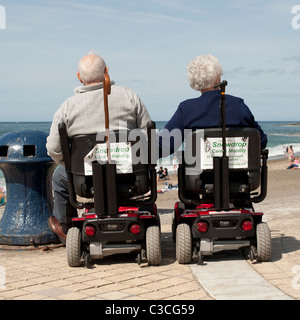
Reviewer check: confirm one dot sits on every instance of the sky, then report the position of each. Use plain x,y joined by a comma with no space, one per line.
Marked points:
147,45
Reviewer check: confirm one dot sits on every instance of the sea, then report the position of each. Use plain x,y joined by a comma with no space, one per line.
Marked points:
280,135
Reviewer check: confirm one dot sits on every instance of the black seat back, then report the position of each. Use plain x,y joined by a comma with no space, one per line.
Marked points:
128,185
198,174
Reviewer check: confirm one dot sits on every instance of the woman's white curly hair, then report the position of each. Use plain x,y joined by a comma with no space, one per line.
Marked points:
203,72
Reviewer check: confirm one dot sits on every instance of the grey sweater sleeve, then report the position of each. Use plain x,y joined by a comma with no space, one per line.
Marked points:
53,144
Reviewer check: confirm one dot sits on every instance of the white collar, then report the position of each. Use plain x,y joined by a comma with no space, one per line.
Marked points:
83,89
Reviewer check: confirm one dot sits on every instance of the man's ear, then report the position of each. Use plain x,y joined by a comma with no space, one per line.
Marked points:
79,78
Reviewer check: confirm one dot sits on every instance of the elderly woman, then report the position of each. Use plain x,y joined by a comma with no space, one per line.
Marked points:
204,73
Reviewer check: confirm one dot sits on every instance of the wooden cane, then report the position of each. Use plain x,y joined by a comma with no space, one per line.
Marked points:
106,92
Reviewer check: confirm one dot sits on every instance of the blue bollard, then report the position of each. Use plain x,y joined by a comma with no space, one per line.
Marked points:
28,174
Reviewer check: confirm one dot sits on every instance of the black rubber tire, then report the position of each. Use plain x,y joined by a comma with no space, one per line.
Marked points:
153,245
264,242
181,208
174,228
183,243
73,247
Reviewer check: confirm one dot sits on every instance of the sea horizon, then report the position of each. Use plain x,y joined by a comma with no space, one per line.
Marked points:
280,133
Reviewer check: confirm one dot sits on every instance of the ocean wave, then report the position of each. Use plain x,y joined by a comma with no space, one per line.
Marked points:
278,150
290,134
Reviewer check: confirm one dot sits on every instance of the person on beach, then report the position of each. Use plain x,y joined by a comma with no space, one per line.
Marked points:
175,162
165,174
285,151
293,166
162,174
83,114
204,73
294,163
159,173
291,154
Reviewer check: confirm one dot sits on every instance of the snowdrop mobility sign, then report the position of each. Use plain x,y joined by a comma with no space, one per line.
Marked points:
236,150
120,153
2,18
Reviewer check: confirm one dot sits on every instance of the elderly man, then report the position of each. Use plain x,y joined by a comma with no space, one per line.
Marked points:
204,73
83,113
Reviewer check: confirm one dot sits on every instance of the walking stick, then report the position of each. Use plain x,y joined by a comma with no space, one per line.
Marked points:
104,176
106,92
222,165
222,120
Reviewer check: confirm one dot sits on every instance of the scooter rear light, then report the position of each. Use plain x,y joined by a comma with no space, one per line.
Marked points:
202,226
247,225
90,231
89,216
135,229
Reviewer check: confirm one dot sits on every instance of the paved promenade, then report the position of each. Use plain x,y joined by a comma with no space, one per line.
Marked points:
39,274
43,273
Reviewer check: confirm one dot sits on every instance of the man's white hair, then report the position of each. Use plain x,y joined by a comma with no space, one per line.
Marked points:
203,72
91,68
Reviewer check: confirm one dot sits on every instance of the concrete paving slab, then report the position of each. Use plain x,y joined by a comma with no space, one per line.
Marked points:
232,278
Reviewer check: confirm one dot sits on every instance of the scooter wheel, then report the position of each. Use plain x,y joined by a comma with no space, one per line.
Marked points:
264,242
73,247
183,243
153,245
174,228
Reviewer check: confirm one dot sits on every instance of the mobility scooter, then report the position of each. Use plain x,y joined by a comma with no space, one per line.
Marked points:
215,212
122,215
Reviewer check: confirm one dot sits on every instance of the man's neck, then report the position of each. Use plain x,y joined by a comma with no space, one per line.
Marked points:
92,83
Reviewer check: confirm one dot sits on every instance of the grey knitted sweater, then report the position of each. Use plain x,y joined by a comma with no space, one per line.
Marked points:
83,113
